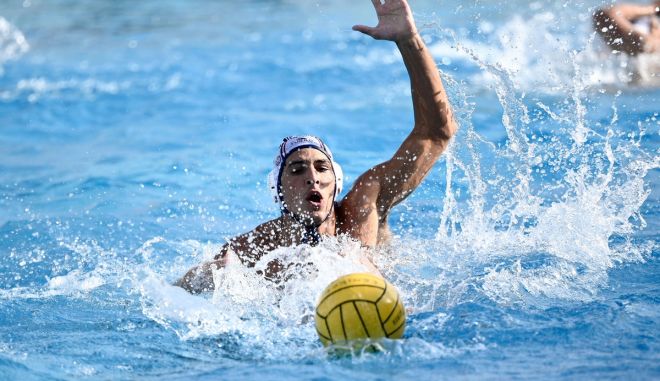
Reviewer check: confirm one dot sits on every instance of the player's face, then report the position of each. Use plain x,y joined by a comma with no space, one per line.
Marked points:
308,185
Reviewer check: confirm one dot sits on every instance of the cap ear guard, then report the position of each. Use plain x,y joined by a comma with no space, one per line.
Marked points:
272,184
339,178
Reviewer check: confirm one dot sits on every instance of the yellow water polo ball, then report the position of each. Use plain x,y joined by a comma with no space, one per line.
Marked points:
359,306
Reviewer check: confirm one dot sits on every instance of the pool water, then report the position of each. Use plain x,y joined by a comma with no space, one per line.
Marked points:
136,137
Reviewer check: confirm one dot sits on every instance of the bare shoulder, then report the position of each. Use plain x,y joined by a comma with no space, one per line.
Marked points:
364,189
358,214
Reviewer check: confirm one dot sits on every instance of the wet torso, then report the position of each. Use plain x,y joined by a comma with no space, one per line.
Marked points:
362,225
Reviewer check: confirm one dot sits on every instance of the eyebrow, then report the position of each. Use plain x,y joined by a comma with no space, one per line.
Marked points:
298,162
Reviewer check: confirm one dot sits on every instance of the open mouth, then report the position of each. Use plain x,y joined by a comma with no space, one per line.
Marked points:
315,198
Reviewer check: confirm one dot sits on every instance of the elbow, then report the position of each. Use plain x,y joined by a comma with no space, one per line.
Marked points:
435,121
444,126
448,130
442,130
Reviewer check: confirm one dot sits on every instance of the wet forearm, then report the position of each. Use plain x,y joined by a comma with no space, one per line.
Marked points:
198,279
631,12
433,114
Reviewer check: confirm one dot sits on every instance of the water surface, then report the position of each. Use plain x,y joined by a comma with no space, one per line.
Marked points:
136,137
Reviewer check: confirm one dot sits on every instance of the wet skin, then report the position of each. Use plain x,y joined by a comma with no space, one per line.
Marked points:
308,181
308,186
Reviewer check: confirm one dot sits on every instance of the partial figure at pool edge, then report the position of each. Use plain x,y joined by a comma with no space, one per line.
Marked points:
630,28
306,180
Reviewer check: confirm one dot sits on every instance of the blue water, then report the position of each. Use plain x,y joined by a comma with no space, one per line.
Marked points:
135,138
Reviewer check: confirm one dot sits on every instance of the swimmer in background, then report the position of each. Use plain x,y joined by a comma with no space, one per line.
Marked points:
306,180
630,28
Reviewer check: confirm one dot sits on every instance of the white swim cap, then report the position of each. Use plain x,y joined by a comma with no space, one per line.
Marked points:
291,144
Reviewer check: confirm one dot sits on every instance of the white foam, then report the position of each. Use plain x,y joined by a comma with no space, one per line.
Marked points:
274,321
37,88
539,55
74,282
12,43
265,314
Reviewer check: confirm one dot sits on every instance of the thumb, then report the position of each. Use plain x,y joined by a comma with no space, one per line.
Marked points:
364,29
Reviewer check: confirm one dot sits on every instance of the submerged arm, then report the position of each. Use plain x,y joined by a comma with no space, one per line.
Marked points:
200,278
247,248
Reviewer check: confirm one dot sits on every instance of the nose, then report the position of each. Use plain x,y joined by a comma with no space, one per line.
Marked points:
313,178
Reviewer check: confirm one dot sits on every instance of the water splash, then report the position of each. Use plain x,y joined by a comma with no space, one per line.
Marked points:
85,268
266,316
539,215
12,43
540,53
534,216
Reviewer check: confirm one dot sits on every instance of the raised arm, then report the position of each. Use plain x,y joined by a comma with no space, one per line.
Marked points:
392,181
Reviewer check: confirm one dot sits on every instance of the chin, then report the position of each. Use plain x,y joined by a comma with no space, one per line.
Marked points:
316,217
312,215
320,215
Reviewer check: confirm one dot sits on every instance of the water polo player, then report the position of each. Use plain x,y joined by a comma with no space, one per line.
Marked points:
630,28
306,180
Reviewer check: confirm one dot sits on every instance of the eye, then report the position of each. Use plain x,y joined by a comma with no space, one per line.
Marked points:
297,169
323,167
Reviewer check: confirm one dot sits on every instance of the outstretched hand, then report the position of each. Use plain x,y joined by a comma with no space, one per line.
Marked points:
395,21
